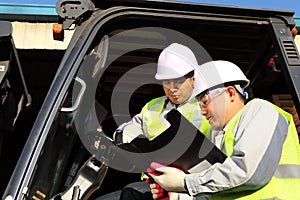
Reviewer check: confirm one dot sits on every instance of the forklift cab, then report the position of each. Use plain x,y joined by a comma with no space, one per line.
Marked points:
107,75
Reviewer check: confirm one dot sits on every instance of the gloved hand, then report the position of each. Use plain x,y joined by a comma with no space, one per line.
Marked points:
158,193
169,178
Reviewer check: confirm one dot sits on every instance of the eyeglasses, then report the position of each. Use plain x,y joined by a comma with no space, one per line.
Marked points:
208,96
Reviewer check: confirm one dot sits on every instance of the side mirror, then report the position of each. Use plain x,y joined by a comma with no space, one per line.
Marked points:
5,49
5,30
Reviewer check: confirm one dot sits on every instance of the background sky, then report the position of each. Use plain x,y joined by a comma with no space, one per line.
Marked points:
293,5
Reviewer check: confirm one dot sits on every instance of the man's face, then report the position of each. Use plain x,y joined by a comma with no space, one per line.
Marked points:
213,107
178,90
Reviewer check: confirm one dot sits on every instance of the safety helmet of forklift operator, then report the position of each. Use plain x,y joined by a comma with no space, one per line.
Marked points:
219,73
175,61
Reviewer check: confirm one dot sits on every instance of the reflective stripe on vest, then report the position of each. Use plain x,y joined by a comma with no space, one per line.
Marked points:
152,119
285,183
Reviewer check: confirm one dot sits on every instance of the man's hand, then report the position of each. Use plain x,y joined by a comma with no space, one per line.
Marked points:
158,193
169,178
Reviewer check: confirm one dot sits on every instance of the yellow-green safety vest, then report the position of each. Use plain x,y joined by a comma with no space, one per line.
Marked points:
151,114
284,184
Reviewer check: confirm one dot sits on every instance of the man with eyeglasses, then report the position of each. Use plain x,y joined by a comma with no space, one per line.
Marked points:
259,138
175,70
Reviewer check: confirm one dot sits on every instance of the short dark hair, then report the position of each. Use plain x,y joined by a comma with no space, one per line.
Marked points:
189,75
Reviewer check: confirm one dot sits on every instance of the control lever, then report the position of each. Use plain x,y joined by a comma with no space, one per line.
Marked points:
89,178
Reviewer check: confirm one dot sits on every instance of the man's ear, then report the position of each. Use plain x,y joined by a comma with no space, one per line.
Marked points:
232,92
193,81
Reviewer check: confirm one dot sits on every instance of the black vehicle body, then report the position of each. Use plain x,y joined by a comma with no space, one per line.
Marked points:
107,75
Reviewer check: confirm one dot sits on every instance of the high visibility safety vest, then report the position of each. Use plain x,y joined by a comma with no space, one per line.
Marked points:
285,182
152,119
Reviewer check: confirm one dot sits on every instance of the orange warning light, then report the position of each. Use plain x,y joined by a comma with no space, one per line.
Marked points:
58,32
294,32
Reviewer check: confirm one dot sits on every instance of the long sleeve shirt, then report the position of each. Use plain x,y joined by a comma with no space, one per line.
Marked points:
259,136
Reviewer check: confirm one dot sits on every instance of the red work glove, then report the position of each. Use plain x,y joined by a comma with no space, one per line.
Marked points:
158,193
169,178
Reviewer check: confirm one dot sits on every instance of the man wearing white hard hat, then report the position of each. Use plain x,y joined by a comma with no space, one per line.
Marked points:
175,69
259,138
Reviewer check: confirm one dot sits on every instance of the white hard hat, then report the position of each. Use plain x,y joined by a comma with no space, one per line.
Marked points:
214,73
175,61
